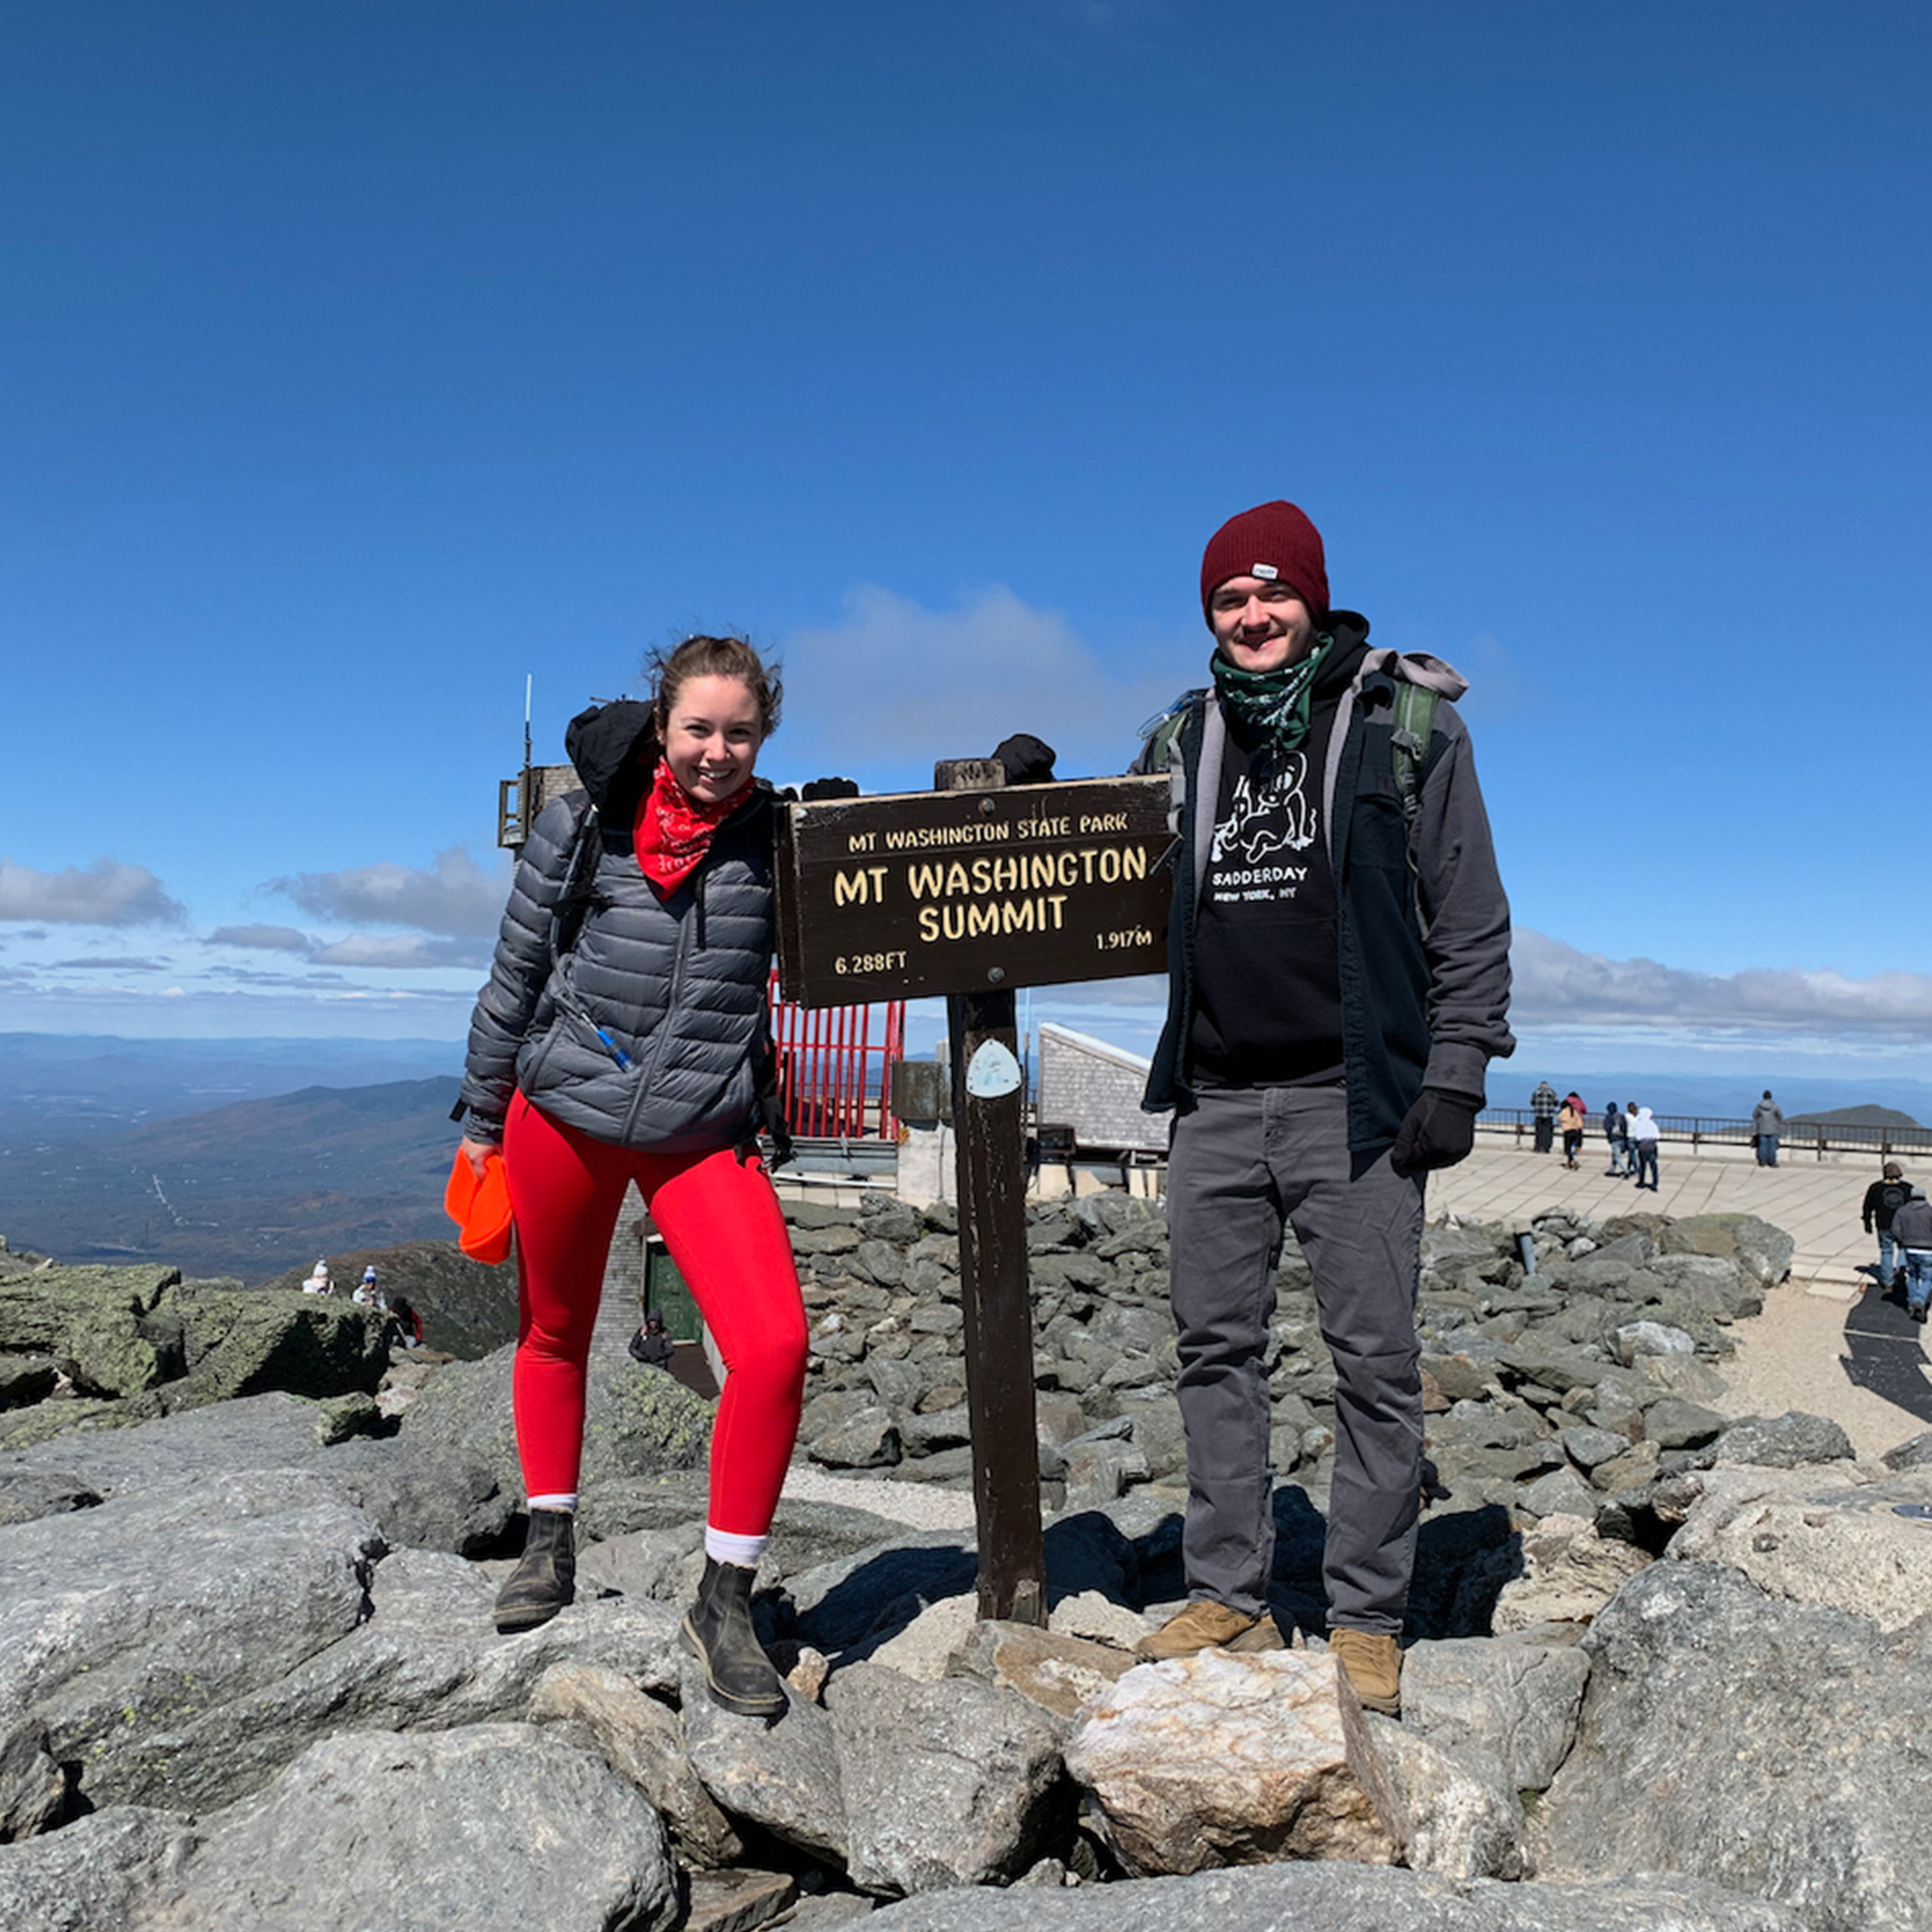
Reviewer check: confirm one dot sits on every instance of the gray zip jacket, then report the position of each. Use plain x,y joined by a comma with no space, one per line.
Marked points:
674,985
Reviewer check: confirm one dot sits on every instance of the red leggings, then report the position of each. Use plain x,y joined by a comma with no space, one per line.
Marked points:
722,1224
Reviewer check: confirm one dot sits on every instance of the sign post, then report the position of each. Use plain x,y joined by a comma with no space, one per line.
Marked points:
972,891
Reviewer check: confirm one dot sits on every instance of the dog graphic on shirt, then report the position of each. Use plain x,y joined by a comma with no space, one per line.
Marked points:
1275,816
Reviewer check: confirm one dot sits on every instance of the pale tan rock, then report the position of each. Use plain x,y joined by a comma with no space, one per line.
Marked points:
808,1673
1062,1674
920,1651
1570,1572
1223,1759
644,1743
1829,1535
1090,1614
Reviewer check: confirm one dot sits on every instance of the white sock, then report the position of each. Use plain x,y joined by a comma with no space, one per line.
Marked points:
723,1547
566,1503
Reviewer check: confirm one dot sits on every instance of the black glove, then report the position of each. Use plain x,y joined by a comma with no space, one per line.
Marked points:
1026,760
830,788
1438,1131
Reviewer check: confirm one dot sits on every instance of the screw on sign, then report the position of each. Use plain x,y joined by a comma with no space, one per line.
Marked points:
972,892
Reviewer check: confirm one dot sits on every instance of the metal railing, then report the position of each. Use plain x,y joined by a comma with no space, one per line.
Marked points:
836,1068
1701,1131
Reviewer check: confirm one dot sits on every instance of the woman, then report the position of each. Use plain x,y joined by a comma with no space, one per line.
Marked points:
1569,1120
622,1036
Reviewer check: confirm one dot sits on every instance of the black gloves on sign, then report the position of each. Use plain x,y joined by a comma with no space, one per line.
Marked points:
1026,760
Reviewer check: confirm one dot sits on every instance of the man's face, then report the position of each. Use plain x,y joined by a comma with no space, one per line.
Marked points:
1260,624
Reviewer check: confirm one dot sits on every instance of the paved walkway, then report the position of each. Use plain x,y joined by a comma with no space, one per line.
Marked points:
1829,1342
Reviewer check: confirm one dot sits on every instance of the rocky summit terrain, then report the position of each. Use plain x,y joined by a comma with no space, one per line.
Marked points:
1668,1670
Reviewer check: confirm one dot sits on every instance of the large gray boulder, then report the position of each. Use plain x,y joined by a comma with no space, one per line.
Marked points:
945,1784
784,1776
109,1872
128,1621
1342,1897
1464,1817
497,1828
428,1658
641,1740
1774,1747
635,1425
32,1785
1517,1699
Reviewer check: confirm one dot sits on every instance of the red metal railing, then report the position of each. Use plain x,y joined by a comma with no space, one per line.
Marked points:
828,1079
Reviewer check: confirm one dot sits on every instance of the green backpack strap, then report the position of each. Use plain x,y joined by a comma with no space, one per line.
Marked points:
1161,753
1408,744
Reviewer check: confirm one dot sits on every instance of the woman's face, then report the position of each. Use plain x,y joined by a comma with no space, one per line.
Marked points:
711,740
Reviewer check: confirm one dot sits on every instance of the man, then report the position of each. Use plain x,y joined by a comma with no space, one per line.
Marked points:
1338,982
1884,1198
1616,1132
1911,1226
652,1345
1542,1111
1767,1123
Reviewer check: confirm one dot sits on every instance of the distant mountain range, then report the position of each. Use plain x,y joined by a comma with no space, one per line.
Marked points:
252,1189
68,1084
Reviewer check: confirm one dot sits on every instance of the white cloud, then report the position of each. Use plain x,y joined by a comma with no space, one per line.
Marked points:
105,892
1558,985
456,896
264,938
402,951
894,675
103,962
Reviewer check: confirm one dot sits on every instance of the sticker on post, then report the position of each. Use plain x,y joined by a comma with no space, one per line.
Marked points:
992,1072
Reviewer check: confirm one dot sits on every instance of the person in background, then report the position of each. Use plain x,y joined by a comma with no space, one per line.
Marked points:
318,1282
1616,1131
652,1345
406,1324
622,1036
1912,1230
1542,1109
1767,1123
1570,1119
1643,1145
1884,1198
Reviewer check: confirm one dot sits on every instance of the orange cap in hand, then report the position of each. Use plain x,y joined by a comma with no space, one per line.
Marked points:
480,1208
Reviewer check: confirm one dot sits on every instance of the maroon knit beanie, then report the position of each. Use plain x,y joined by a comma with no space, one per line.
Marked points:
1274,540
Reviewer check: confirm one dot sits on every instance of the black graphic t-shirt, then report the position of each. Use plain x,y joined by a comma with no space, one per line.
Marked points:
1268,992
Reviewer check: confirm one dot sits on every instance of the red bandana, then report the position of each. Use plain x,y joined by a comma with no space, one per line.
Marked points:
672,831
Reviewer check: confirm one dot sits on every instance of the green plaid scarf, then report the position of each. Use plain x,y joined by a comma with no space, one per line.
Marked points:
1274,704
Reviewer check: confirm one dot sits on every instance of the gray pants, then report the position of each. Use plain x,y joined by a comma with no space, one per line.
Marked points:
1243,1160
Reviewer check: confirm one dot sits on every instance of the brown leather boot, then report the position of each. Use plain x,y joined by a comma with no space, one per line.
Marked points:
1373,1664
1206,1625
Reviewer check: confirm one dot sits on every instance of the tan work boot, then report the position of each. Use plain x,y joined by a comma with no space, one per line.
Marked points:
1372,1663
1204,1625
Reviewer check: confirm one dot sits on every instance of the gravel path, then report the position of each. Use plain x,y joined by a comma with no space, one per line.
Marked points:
920,1505
1791,1357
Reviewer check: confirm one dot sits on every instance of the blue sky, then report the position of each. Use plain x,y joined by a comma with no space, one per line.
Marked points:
360,360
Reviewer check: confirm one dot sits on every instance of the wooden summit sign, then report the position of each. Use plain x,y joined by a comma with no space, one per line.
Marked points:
917,893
